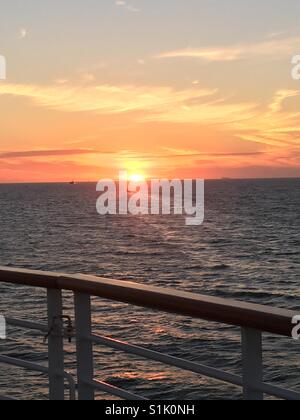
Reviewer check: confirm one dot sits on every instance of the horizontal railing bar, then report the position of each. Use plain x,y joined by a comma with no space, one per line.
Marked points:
23,364
192,367
275,391
26,324
34,278
247,315
39,368
2,398
169,360
113,390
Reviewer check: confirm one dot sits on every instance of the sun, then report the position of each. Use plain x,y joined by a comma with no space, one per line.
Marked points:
136,178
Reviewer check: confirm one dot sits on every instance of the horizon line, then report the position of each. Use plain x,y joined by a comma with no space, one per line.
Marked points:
181,179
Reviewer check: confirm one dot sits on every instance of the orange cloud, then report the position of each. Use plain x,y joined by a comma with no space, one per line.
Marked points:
275,47
265,132
105,99
280,97
43,153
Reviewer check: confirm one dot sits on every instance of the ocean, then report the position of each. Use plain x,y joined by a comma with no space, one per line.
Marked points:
247,249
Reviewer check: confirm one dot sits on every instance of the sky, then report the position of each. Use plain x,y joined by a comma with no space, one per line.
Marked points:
165,89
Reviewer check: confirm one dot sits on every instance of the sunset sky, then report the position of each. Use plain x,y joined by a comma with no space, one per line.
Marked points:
163,88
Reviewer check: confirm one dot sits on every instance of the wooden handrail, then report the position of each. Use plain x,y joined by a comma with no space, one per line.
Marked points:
226,311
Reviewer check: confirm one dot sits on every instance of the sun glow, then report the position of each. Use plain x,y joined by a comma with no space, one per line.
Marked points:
136,177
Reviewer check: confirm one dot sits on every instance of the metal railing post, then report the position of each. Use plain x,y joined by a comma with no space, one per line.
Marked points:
252,355
55,345
84,346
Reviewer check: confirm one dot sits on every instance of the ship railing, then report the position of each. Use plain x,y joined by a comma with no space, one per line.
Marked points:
252,319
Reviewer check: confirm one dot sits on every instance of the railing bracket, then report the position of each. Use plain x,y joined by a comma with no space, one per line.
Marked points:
61,326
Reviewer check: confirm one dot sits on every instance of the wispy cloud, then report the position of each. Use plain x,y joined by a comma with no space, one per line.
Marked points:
172,153
280,97
44,153
126,5
22,33
194,153
272,124
106,99
270,47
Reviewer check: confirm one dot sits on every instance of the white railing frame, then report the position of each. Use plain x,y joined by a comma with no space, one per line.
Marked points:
247,316
34,367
